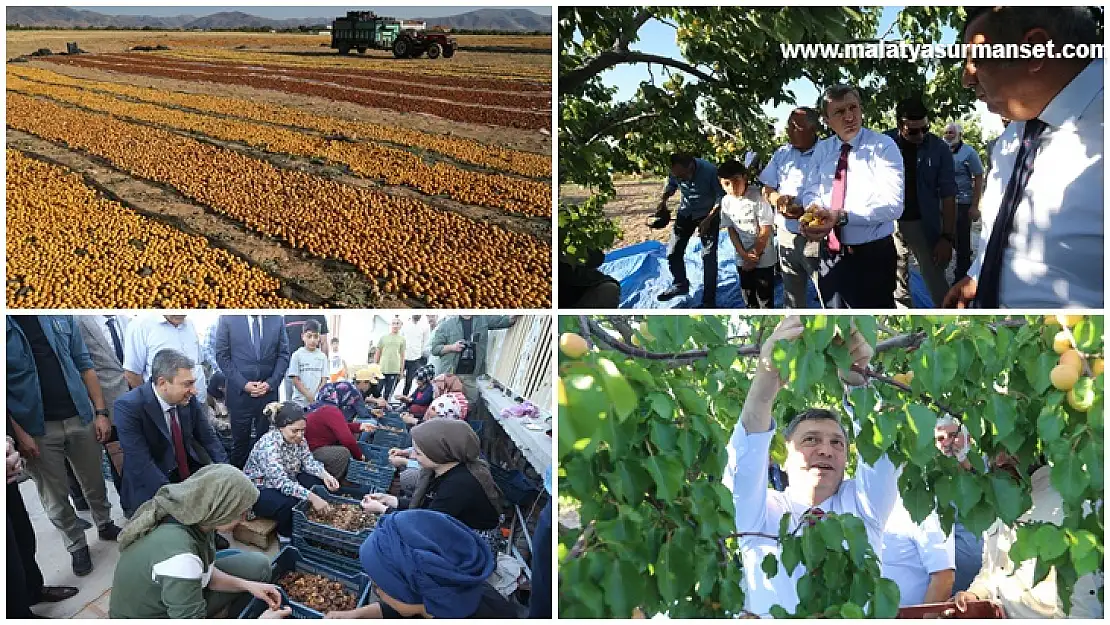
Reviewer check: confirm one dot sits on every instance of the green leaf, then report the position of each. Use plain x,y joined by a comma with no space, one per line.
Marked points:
831,533
619,390
887,597
664,434
1088,334
851,611
856,533
867,328
770,566
1050,423
1050,542
978,518
791,555
668,475
1002,413
1038,372
723,356
662,404
968,490
813,548
688,445
921,422
692,402
1010,498
819,332
919,502
636,373
1070,478
623,586
1086,553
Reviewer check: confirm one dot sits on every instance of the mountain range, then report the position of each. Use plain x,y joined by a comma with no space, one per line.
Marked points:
508,20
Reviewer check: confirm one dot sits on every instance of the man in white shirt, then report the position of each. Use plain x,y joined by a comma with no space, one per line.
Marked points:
856,179
1042,240
781,179
920,558
416,343
817,449
151,334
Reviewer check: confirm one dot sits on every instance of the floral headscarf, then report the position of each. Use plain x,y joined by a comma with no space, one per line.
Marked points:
450,406
344,396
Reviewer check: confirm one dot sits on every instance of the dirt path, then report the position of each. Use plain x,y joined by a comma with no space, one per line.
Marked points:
631,209
535,142
317,282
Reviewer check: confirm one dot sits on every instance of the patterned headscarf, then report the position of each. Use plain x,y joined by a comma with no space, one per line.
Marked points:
450,406
426,373
344,396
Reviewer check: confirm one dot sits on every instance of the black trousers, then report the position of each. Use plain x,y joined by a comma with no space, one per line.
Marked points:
248,424
389,382
685,228
24,576
276,505
410,373
759,287
864,275
963,241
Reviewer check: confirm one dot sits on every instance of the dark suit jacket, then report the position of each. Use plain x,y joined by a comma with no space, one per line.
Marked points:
148,454
237,359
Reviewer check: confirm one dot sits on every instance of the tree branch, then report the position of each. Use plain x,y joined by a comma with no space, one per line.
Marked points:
580,545
584,324
573,80
626,34
635,118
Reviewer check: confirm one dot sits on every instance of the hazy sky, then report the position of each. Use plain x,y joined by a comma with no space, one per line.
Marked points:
284,12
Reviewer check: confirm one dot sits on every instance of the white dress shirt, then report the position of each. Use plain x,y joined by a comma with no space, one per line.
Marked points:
121,322
1055,255
149,335
874,194
1013,589
870,495
166,407
786,173
912,552
416,339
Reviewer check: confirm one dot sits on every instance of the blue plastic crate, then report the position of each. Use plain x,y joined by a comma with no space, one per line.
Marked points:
347,562
393,420
326,534
386,439
516,487
291,559
375,454
377,478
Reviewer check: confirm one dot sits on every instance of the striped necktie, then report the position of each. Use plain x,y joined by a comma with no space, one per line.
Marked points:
990,276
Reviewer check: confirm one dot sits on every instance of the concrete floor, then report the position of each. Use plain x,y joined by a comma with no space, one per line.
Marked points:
96,587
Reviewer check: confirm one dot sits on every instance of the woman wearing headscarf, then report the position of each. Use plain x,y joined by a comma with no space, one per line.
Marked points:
167,566
426,564
453,478
450,406
329,431
422,397
283,469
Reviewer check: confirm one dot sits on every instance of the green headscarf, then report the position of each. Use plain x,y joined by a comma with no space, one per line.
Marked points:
216,495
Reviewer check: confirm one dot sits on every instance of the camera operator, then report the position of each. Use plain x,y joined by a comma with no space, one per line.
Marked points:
460,343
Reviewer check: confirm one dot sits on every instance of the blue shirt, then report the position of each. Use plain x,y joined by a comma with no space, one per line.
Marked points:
24,391
968,165
699,194
873,198
936,180
1055,257
786,173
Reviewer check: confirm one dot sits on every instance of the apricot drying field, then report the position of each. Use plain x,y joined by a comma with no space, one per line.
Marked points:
405,185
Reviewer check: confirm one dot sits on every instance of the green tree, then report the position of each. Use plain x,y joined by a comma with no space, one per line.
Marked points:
710,100
644,419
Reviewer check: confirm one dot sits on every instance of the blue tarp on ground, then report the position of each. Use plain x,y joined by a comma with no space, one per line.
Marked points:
642,271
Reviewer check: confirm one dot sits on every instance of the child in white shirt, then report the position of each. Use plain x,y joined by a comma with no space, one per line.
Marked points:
750,222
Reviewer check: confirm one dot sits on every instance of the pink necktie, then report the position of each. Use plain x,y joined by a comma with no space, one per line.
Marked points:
839,191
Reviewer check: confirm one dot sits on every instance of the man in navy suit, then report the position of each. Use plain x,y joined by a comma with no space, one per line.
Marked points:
163,431
253,352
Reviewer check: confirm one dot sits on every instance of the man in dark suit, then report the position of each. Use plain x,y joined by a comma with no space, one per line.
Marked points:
163,431
253,352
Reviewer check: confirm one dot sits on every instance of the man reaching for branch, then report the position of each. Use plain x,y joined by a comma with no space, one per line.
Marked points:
816,455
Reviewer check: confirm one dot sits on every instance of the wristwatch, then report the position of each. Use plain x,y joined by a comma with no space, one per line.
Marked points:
103,412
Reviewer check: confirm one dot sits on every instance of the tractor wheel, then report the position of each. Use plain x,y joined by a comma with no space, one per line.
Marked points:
362,50
448,52
402,48
434,50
